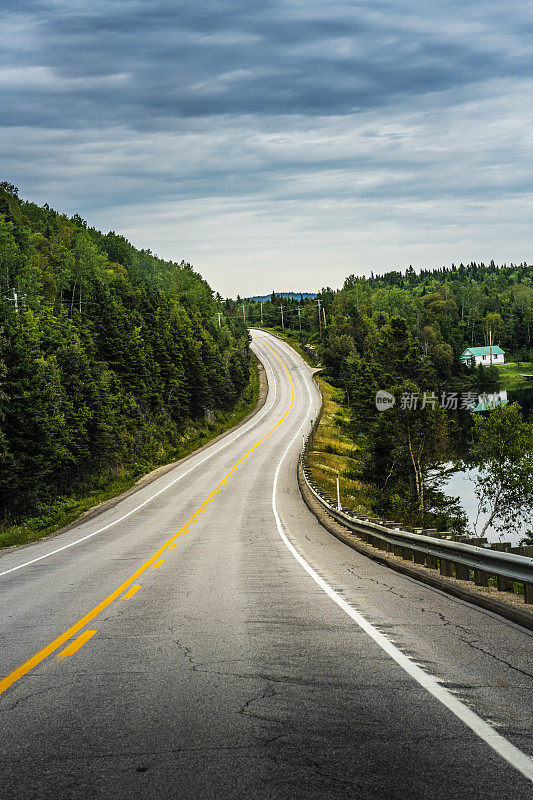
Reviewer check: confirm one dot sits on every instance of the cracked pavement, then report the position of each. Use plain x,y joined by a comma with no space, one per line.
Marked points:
230,673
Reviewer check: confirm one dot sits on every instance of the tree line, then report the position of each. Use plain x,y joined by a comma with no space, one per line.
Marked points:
458,306
109,355
404,333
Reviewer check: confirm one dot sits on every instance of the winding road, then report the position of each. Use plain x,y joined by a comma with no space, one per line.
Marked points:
207,638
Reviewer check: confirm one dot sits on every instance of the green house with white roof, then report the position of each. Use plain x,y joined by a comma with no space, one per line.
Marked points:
473,356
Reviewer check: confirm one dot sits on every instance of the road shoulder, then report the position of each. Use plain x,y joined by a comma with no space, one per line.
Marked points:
152,476
480,596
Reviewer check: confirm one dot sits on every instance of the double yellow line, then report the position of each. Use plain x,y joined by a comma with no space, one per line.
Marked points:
36,659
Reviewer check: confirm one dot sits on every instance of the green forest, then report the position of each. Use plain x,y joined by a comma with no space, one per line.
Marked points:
112,361
405,333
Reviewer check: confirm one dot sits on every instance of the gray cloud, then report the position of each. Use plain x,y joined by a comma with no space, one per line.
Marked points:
366,135
146,63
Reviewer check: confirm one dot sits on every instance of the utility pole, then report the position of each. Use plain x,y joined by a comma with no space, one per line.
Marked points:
490,345
319,316
299,318
219,314
15,299
324,313
282,322
261,312
244,314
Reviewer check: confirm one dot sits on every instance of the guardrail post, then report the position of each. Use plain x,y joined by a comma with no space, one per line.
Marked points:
504,584
446,568
502,547
481,578
518,562
462,573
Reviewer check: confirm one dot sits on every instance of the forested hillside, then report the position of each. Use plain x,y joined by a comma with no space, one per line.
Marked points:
109,356
404,333
456,306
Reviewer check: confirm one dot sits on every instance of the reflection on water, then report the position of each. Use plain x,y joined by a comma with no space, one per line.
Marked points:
524,397
461,483
489,400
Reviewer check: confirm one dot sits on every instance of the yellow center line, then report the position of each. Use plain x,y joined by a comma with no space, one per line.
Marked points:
158,563
131,592
76,644
54,645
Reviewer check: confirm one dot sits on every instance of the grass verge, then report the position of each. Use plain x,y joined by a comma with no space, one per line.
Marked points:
62,511
335,452
333,448
510,375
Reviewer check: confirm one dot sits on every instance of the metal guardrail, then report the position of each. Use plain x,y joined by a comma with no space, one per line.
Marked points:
453,559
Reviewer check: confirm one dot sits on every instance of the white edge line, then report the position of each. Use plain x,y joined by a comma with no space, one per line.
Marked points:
515,757
229,440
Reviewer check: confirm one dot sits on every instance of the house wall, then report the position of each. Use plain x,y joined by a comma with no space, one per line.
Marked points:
497,358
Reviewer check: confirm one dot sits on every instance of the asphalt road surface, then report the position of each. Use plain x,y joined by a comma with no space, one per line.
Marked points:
207,638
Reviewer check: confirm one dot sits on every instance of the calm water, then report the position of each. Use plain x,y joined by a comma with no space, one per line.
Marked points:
461,483
525,398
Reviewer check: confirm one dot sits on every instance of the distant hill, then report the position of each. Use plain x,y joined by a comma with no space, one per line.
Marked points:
287,295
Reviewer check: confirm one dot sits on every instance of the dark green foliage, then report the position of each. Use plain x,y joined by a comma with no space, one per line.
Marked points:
108,357
402,330
445,309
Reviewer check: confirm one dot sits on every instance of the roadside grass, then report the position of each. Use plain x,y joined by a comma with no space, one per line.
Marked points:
60,512
333,448
334,451
510,375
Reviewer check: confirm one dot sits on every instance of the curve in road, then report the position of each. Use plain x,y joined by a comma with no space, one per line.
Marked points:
218,668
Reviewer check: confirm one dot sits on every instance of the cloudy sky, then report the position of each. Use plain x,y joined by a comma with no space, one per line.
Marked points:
279,145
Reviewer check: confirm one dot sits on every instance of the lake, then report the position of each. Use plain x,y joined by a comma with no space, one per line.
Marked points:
461,483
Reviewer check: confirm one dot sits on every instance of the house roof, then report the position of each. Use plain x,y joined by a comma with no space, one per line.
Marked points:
483,351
